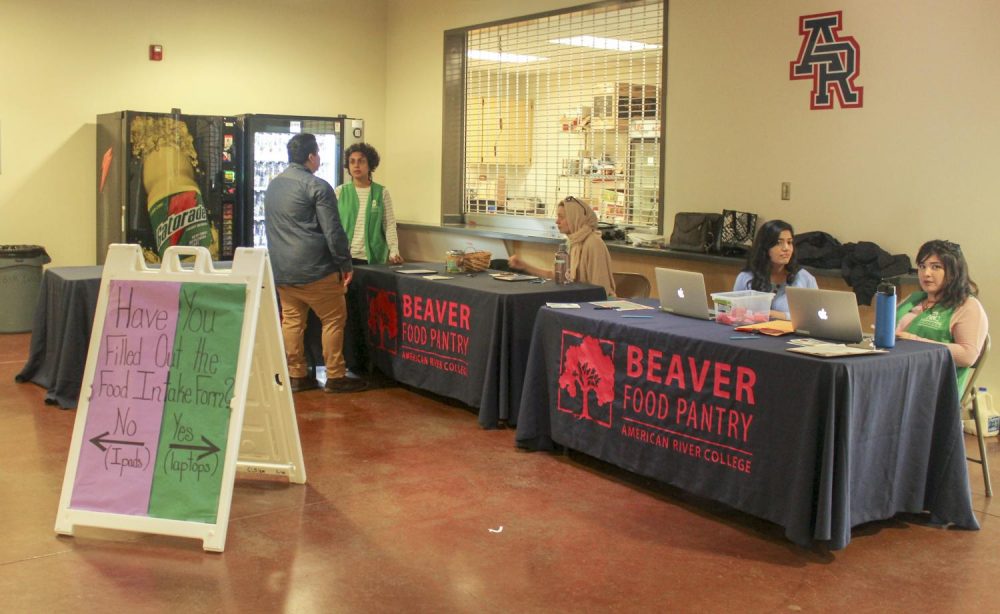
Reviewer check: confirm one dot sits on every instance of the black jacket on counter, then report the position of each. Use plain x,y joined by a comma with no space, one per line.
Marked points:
818,249
865,264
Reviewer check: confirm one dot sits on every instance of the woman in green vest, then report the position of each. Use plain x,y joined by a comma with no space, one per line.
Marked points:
366,209
945,310
368,219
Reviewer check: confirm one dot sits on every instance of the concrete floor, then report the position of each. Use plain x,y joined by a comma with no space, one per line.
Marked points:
403,511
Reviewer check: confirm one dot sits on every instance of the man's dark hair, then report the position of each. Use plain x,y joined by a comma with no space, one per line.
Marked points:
367,151
300,146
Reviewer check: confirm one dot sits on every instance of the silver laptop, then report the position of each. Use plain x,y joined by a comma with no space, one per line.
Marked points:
827,314
683,293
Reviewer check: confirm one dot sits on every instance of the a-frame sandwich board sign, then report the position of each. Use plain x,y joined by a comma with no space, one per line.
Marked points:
185,382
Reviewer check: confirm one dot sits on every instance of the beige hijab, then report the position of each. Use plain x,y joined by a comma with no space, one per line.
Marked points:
589,259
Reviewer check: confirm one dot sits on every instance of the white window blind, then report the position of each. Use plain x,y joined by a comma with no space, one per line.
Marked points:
567,104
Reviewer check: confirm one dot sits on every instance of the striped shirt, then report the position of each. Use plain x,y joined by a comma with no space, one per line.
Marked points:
389,222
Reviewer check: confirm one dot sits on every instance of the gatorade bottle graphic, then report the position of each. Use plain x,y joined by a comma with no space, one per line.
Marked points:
177,211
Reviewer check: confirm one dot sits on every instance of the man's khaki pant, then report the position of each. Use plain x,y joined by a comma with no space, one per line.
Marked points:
326,298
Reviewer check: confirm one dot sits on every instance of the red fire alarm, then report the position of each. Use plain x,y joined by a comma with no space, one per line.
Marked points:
156,52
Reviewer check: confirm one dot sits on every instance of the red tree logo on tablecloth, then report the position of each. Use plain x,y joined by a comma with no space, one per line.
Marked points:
587,370
383,320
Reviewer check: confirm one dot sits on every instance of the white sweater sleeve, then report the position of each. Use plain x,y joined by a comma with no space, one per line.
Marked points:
390,224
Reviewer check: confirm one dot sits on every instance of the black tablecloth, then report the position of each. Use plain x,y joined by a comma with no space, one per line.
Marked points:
466,338
60,334
815,445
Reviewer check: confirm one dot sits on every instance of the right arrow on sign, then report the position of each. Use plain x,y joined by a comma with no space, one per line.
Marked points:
208,448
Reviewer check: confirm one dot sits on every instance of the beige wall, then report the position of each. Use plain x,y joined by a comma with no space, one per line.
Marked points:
918,161
62,62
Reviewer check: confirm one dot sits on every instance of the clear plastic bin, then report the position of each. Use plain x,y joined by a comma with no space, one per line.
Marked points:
742,307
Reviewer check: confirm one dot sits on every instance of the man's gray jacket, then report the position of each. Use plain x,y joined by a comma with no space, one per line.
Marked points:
304,237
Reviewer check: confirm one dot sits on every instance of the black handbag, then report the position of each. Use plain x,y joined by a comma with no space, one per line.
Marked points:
696,232
738,228
610,232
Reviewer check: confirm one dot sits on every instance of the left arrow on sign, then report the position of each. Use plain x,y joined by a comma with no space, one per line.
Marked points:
100,440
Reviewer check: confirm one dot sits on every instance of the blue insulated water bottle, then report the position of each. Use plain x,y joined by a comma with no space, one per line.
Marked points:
885,316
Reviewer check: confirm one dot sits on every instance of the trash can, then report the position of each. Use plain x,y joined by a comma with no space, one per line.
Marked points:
20,280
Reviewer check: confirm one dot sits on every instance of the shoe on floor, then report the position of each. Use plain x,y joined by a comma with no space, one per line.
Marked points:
301,384
345,384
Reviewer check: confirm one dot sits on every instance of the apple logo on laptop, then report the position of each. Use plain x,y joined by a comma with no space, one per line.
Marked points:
822,314
680,292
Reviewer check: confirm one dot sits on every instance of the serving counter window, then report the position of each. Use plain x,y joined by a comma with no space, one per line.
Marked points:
555,105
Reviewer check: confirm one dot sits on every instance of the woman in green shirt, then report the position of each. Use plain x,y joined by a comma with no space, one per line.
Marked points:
945,310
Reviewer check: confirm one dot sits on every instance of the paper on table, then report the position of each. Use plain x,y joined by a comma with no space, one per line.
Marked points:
415,271
563,305
833,350
620,305
439,277
774,328
806,341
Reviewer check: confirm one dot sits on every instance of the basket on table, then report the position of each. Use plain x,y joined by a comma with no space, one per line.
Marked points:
475,261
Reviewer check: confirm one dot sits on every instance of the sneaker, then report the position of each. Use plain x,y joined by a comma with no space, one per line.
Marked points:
301,384
345,384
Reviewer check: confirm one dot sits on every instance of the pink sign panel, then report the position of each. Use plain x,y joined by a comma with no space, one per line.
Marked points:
129,390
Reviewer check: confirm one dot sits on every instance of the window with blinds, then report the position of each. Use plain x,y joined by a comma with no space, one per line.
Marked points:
566,104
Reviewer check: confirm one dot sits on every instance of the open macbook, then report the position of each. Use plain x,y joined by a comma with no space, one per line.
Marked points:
827,314
683,293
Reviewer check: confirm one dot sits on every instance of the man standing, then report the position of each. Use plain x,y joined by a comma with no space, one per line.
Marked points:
311,259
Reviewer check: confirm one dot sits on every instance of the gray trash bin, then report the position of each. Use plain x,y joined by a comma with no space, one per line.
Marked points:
20,280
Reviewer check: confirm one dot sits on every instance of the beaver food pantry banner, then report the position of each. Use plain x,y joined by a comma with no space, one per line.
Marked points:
816,446
168,408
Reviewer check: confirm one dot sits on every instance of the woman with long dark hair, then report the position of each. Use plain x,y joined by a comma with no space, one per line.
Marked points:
945,309
771,266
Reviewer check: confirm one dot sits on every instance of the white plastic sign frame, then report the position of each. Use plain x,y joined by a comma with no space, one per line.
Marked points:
262,435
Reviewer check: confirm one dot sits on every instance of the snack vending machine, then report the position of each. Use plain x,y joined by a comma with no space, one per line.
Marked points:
168,179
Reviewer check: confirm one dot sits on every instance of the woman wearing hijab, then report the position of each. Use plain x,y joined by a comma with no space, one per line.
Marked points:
589,259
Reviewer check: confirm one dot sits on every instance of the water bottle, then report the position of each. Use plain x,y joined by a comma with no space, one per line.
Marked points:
987,413
885,316
561,265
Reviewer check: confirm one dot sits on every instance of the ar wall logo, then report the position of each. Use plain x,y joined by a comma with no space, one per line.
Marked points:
383,320
587,377
832,61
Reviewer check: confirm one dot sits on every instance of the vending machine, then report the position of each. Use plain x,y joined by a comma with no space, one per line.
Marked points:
168,179
265,155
